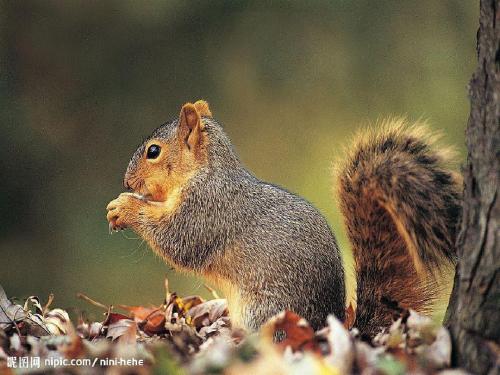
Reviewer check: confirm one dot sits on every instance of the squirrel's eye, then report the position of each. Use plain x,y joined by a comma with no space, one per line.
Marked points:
153,151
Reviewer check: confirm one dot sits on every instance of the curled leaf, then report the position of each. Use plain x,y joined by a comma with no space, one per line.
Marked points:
57,321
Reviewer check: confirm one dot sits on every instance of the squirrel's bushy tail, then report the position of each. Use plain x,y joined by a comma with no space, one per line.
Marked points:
401,207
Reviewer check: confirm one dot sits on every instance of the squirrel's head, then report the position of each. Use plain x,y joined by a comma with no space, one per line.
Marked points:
163,164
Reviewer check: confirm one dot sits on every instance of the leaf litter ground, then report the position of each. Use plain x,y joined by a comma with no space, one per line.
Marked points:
190,335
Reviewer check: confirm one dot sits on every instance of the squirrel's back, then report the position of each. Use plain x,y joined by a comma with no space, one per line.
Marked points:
401,205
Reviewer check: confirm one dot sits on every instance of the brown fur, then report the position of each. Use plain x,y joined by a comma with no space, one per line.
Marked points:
203,108
158,194
400,206
149,179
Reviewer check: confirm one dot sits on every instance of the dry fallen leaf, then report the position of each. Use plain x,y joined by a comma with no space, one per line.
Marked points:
288,329
421,329
139,313
124,329
112,317
9,312
154,323
197,336
57,321
191,301
149,319
206,313
439,352
341,348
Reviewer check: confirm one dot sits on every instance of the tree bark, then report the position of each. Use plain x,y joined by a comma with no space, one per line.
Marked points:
473,314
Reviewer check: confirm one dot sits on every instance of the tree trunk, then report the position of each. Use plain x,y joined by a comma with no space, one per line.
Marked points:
473,314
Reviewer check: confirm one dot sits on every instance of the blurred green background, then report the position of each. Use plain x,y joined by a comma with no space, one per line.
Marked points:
82,82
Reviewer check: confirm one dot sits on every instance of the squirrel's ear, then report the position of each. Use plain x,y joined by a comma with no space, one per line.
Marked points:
190,125
203,108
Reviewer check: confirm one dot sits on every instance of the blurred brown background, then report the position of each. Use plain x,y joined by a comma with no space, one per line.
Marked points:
82,82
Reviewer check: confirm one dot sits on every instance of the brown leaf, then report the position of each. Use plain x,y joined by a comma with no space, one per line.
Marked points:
350,316
139,313
149,319
154,323
288,329
112,317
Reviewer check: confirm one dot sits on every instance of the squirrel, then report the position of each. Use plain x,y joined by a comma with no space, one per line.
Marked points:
268,250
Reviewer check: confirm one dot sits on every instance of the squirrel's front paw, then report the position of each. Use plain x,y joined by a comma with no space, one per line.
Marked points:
123,211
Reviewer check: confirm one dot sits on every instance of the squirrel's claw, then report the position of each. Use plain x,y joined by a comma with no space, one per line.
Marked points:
121,210
113,215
